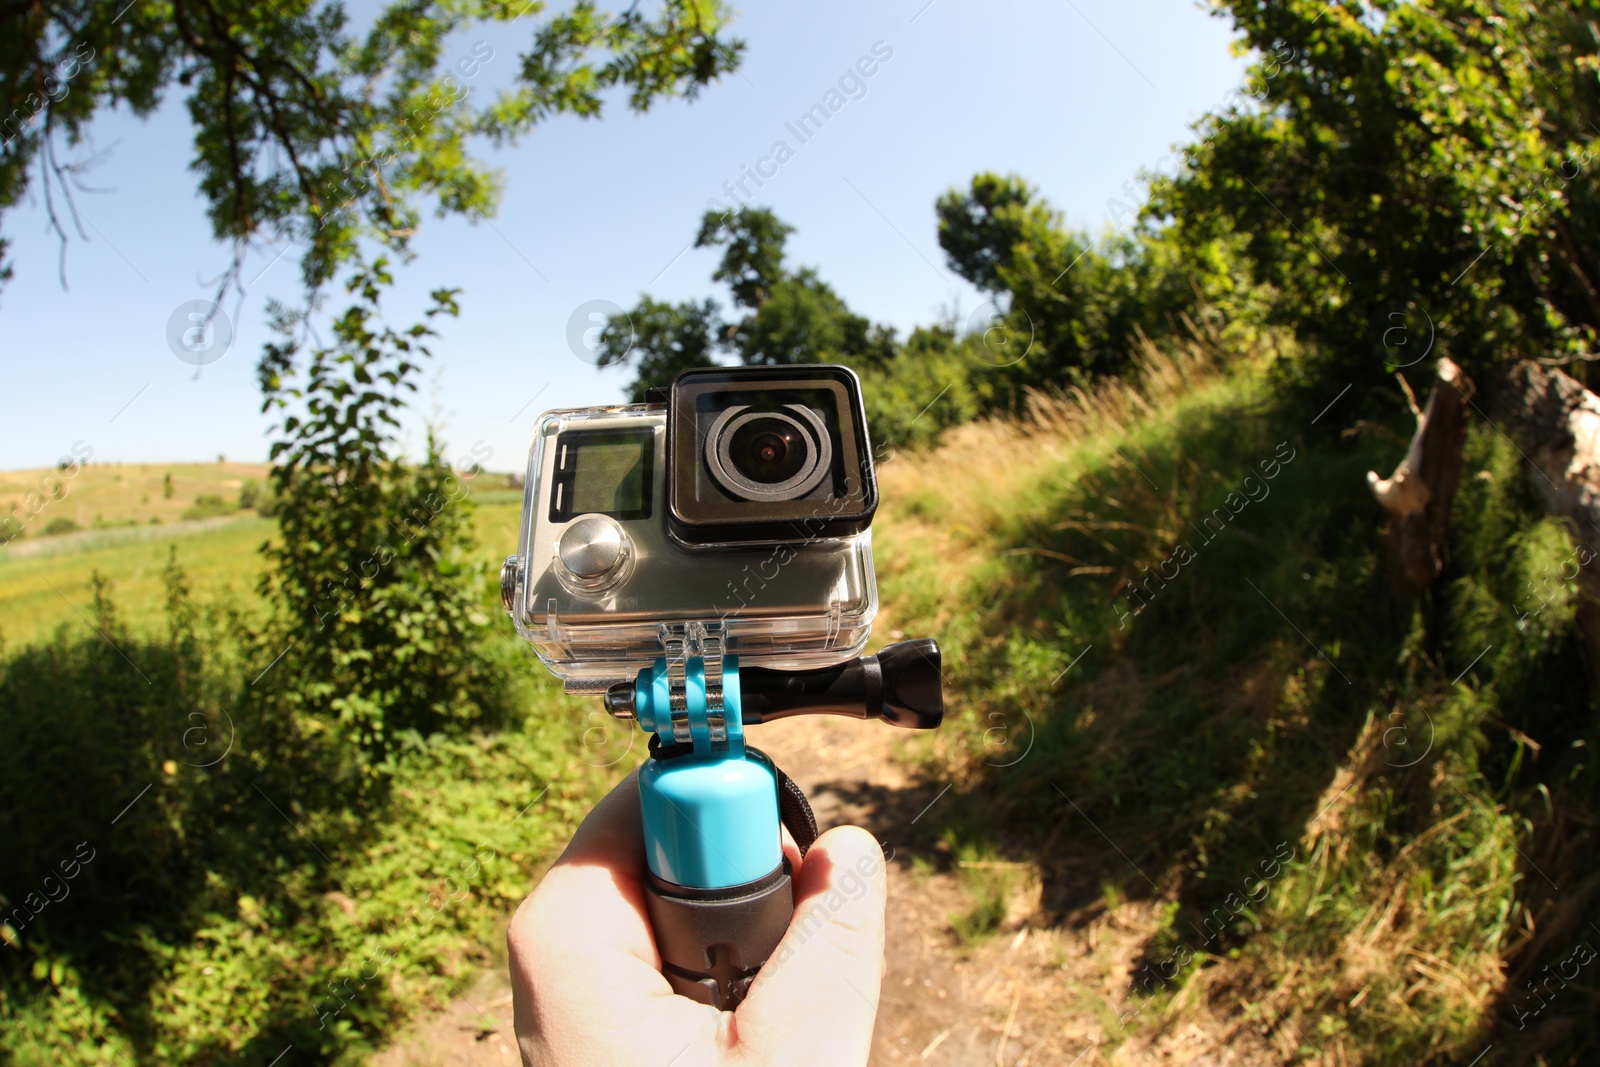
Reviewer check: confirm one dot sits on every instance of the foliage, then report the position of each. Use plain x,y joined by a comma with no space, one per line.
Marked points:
1073,309
752,241
1416,176
793,316
208,506
196,871
309,132
253,496
803,320
60,525
369,578
661,339
933,381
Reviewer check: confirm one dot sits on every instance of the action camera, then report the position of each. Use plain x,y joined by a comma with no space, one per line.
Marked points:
743,498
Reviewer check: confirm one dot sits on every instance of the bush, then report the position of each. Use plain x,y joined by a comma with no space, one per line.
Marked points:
369,577
60,525
208,506
253,495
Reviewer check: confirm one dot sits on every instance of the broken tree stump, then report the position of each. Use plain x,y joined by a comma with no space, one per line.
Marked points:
1419,493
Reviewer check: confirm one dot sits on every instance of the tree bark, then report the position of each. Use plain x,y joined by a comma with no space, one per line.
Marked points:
1419,493
1555,423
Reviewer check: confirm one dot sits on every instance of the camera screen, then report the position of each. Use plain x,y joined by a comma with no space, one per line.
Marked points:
602,472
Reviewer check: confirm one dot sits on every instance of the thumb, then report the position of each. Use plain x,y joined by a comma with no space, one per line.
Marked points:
816,999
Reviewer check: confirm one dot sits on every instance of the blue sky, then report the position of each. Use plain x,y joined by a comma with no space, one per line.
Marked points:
1075,97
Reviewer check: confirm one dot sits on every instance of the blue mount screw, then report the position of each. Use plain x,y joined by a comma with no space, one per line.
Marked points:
710,817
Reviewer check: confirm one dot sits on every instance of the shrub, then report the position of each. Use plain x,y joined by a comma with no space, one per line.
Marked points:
369,577
208,506
196,872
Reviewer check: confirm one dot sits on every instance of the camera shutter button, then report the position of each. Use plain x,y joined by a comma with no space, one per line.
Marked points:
593,547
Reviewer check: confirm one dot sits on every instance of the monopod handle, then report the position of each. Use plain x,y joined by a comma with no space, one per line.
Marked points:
714,941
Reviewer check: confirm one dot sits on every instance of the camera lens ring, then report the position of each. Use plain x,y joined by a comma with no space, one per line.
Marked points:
719,457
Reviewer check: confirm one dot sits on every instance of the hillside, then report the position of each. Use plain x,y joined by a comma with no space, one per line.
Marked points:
128,527
100,495
1239,806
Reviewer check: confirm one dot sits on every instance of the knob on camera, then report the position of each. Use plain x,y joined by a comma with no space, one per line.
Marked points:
900,685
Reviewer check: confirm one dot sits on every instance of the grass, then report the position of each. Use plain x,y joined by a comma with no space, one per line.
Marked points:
1257,697
1343,820
231,912
50,586
45,582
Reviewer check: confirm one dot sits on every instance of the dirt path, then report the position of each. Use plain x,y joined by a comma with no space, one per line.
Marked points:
1036,992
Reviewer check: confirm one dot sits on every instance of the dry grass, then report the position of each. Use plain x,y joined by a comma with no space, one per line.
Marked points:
979,470
944,506
101,494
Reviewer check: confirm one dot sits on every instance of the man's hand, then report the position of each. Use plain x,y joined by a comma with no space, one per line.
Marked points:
586,976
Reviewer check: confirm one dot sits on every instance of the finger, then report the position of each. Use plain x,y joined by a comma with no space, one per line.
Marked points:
829,965
790,849
582,938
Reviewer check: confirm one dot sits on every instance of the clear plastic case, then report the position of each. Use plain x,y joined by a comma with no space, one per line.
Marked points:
791,605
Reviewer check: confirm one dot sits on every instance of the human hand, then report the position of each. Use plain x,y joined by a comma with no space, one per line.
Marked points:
586,979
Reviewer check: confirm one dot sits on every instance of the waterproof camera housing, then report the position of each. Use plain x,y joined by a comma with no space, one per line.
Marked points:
740,503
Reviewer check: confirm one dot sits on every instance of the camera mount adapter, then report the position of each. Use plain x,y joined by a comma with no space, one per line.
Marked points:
719,889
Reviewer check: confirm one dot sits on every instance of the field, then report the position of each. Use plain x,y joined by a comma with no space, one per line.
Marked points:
131,530
119,494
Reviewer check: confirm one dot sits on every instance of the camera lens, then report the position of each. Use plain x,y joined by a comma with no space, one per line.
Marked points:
768,450
769,455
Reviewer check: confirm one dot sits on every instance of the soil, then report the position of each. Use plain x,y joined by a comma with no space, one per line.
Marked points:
1047,986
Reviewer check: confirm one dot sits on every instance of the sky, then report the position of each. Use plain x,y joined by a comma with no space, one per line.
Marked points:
1075,97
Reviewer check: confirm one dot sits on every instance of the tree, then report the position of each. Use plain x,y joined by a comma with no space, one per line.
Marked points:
802,320
752,240
306,131
1413,179
662,339
1070,308
793,316
985,230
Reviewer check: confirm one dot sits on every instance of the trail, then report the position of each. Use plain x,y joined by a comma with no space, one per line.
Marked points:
1038,992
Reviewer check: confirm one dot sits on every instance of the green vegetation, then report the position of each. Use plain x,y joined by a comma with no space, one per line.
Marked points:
287,824
369,575
1338,803
335,137
1401,850
208,506
1130,497
248,896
